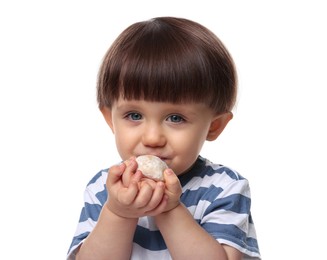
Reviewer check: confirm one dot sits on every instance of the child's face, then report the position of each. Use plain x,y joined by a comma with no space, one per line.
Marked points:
173,132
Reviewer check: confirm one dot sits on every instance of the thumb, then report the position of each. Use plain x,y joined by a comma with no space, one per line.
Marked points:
172,182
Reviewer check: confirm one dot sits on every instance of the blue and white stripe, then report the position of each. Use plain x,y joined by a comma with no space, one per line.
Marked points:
218,198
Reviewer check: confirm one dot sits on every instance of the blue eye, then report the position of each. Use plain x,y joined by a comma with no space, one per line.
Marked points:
175,119
134,116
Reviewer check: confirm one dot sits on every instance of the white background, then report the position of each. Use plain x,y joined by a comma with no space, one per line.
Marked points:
53,139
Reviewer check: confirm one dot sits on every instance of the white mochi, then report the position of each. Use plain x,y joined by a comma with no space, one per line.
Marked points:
151,166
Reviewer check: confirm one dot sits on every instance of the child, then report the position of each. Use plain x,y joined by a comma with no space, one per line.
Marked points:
165,86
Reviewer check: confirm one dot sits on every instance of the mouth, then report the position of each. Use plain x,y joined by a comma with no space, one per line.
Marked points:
166,160
163,158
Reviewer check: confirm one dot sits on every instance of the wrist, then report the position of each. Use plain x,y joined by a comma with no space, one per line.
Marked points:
173,206
169,213
115,214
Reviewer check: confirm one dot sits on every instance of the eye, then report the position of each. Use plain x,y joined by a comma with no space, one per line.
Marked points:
134,116
175,119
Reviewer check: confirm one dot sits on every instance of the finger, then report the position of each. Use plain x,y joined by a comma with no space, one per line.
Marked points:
151,182
115,173
127,175
144,195
129,194
157,195
173,184
137,178
127,162
131,164
160,208
131,167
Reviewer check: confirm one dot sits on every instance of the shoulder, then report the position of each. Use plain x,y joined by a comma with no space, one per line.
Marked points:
218,180
215,168
98,180
230,180
99,177
95,191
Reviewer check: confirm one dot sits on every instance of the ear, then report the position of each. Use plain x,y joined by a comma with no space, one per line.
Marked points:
106,112
218,124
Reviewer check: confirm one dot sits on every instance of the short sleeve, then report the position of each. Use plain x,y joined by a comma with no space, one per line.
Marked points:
94,197
228,218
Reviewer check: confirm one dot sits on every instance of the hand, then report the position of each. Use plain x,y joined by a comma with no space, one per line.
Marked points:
130,196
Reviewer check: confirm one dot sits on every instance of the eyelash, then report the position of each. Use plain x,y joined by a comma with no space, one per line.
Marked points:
131,114
171,118
179,117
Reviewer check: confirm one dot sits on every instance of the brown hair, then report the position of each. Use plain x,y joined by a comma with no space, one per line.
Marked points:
168,59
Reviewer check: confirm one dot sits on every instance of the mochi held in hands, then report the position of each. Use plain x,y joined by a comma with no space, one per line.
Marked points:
151,166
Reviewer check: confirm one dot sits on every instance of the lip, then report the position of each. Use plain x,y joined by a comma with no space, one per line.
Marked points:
163,158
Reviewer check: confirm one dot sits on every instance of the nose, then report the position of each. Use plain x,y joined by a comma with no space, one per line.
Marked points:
153,136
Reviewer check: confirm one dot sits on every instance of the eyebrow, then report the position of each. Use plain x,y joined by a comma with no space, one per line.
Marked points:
172,108
126,105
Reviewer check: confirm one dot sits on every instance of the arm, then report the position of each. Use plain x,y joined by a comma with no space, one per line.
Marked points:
111,234
184,237
112,237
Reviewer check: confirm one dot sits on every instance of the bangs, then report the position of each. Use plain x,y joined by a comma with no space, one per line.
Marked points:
163,71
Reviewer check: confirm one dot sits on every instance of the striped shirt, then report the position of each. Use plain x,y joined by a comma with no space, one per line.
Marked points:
218,198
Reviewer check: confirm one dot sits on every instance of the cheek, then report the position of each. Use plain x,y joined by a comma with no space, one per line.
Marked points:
187,147
192,137
126,143
122,145
190,151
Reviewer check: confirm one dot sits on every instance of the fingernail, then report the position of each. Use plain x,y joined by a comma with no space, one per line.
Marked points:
128,161
169,172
